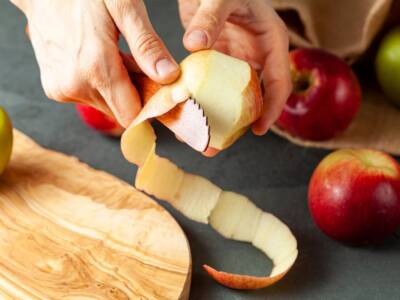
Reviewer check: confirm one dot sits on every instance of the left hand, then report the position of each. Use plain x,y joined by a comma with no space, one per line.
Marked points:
247,29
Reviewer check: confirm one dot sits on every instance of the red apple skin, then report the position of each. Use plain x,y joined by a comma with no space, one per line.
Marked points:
99,120
330,102
354,196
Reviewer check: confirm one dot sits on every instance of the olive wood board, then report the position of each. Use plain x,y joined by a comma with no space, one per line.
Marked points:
68,231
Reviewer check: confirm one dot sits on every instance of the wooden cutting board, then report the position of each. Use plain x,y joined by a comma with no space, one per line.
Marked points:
68,231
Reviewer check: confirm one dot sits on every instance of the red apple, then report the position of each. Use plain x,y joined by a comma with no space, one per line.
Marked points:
325,98
354,196
99,120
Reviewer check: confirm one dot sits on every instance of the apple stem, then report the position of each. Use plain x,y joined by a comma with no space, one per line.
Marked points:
301,82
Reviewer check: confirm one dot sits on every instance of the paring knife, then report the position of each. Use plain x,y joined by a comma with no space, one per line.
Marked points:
187,119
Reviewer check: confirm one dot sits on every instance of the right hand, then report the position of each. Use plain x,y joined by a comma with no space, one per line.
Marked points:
76,46
250,30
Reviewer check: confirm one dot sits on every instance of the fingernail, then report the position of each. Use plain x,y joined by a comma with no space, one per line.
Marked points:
257,131
198,39
165,67
260,128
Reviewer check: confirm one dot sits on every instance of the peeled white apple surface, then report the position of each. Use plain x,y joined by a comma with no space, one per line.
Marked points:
160,176
196,198
225,88
235,217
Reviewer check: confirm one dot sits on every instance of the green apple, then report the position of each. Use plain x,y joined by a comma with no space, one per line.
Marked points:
6,139
388,65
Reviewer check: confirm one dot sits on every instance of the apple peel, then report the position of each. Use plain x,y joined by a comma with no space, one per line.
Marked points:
241,282
246,282
232,215
164,184
196,198
138,142
235,217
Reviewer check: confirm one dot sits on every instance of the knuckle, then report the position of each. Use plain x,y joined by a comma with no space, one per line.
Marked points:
98,79
122,6
283,30
91,63
54,94
147,44
70,86
49,93
209,19
92,69
99,75
133,3
72,82
50,90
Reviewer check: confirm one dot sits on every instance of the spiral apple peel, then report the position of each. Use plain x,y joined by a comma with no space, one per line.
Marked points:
205,77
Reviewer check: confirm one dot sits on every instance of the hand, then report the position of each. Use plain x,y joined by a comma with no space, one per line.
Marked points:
76,46
247,29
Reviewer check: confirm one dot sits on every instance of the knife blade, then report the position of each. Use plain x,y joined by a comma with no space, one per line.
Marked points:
187,119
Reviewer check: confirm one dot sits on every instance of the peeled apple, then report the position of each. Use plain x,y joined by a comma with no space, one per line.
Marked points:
228,91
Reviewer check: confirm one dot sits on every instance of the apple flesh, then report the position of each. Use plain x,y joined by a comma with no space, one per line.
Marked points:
232,215
354,196
226,88
325,98
228,91
99,121
387,65
6,139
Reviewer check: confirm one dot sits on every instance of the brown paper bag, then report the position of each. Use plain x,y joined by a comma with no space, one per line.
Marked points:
344,27
347,28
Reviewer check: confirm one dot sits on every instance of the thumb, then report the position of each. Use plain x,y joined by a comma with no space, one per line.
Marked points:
207,24
147,48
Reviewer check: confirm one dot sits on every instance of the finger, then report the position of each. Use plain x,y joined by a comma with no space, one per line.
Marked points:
65,92
96,102
210,152
147,48
120,94
187,10
130,63
99,105
276,77
207,24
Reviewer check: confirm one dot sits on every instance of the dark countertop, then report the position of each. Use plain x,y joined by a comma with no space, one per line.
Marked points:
270,170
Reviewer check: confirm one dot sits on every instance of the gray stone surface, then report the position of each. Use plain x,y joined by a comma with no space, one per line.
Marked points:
273,172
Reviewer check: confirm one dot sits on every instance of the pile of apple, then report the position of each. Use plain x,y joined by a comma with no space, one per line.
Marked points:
354,195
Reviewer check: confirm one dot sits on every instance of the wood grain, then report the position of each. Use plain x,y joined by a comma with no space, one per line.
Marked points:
70,232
